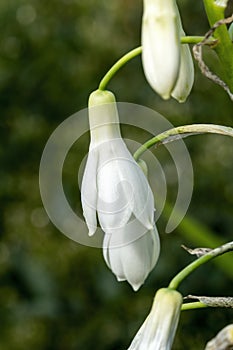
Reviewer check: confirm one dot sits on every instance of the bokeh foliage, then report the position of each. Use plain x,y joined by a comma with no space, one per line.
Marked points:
54,293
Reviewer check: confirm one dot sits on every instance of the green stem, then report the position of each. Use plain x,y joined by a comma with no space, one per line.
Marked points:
192,306
175,282
185,130
135,52
192,39
224,49
120,63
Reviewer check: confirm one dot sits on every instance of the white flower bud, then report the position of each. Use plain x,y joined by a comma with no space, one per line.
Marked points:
159,329
161,45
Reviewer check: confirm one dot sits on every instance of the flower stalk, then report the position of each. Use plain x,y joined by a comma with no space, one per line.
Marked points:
118,65
175,282
136,52
193,306
180,132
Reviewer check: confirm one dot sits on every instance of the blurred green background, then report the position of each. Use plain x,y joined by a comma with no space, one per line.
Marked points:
54,293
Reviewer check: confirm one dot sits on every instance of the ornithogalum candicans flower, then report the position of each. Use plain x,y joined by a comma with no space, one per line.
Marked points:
116,191
167,63
161,45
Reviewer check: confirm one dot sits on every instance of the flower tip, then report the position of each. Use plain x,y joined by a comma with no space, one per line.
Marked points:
166,96
180,99
149,225
91,231
136,286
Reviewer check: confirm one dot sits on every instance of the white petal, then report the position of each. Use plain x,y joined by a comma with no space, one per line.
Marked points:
124,183
132,261
89,192
137,190
186,73
143,200
112,258
155,246
139,258
136,343
113,205
106,243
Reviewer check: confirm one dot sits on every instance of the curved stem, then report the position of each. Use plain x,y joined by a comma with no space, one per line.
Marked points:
182,131
135,52
192,306
175,282
120,63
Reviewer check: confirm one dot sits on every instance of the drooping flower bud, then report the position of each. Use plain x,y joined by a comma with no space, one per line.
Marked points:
158,330
161,45
167,64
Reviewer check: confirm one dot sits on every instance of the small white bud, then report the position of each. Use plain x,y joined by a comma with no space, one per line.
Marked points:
159,329
161,45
